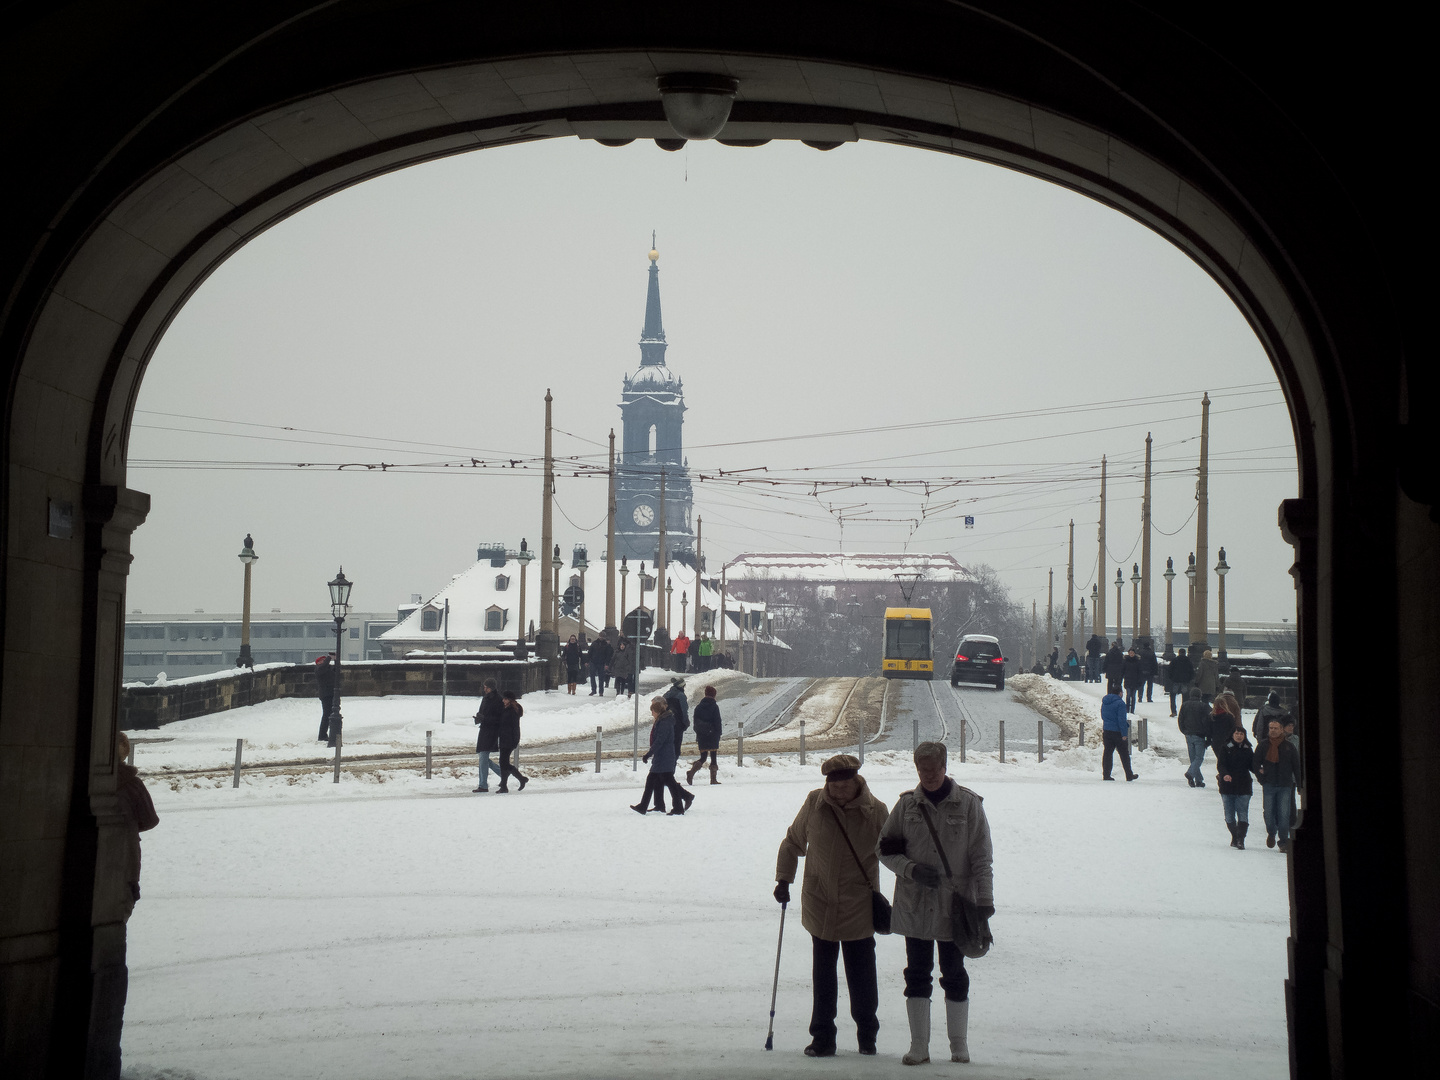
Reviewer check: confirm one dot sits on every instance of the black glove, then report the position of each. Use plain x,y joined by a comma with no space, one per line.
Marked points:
926,875
986,912
646,759
892,845
782,891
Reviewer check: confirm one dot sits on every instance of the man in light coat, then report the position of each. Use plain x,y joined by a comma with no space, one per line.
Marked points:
835,905
923,892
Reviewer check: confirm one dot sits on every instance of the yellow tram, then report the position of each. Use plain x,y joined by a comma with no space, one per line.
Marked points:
906,652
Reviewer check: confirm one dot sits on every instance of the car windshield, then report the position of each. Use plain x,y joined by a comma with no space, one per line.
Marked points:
979,650
909,640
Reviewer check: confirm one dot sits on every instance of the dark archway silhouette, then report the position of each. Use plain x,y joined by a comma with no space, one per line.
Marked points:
148,142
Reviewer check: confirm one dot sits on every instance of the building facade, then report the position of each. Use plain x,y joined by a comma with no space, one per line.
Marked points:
652,412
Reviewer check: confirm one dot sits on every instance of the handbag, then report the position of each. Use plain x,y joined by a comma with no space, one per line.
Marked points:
879,906
968,929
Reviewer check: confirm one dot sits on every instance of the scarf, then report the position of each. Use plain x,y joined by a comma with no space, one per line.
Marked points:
1272,748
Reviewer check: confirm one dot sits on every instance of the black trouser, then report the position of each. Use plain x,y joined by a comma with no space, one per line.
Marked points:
655,784
1112,684
860,983
599,678
327,702
506,769
1149,690
920,960
1130,692
1172,691
1114,741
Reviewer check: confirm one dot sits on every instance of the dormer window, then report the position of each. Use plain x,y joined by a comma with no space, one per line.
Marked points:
496,617
430,618
502,582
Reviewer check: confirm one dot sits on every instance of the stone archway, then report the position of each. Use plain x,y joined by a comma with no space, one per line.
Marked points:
308,101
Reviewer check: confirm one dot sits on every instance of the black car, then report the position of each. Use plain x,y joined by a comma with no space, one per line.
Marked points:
978,659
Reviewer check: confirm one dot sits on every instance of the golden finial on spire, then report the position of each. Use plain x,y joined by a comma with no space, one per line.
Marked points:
654,254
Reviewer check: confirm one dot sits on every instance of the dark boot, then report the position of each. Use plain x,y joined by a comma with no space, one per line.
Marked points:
1240,830
690,773
714,768
1234,834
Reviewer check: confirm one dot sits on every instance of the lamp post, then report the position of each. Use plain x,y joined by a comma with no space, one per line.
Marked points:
248,557
624,573
684,609
523,557
1190,573
1169,576
556,562
580,561
1119,611
339,608
1082,621
1135,604
1221,569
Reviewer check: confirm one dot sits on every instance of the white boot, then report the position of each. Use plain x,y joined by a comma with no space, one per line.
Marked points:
957,1019
918,1010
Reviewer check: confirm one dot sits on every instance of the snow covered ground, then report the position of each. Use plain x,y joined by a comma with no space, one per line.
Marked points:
285,730
390,927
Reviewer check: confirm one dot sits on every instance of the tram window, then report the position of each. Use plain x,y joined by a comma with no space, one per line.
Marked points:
908,640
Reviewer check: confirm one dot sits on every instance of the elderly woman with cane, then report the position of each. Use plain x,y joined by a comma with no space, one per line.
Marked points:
835,832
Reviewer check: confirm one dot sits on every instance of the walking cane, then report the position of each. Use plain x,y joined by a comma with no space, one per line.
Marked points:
770,1035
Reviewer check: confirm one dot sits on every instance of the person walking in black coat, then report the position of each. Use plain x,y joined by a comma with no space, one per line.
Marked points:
1195,726
662,756
487,741
707,735
1114,669
622,664
600,654
571,655
679,706
1232,776
325,680
1132,676
1271,710
1277,767
1149,669
1094,650
1179,677
510,740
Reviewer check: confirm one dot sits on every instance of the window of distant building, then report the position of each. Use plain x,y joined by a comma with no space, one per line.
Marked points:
430,618
496,617
502,582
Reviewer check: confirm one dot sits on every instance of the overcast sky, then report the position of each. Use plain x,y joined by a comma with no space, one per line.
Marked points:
419,318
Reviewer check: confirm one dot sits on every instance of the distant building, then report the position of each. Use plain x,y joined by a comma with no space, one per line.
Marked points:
202,642
652,411
837,581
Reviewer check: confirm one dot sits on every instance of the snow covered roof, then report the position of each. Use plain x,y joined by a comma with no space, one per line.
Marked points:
473,594
841,566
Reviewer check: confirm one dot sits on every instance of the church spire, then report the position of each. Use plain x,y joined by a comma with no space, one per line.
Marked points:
652,338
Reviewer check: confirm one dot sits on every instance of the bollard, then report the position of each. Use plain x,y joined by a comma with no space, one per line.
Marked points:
962,740
337,758
130,757
1040,739
597,748
740,746
1082,735
915,730
1002,740
238,744
427,755
1144,734
802,742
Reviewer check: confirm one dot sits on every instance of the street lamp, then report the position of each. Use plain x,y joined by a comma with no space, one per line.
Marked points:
669,590
1190,609
1222,568
579,561
523,557
556,563
339,608
624,573
1082,618
1119,611
1134,603
1169,577
248,557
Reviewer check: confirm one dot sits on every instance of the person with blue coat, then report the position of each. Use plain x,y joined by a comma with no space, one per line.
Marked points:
662,756
1116,735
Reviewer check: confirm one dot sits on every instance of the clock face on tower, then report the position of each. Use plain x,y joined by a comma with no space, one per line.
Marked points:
644,515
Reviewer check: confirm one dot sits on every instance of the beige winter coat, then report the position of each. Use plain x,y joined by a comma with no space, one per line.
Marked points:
835,899
959,819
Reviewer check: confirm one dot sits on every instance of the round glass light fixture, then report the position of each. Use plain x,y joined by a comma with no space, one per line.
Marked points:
697,104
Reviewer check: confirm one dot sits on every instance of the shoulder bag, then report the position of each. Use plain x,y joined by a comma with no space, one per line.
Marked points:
967,925
879,906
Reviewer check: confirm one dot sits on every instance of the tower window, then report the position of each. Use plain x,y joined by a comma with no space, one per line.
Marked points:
651,437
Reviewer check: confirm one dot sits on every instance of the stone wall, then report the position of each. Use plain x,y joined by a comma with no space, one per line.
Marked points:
143,707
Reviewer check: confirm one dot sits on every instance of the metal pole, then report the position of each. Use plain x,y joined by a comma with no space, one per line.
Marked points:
1040,739
597,748
740,746
1101,626
962,740
802,742
238,744
1145,631
660,568
611,626
915,730
1070,595
427,755
444,667
130,757
337,757
1082,734
1002,740
635,689
1200,620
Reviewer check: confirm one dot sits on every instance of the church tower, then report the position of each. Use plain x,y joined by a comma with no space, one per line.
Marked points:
652,411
